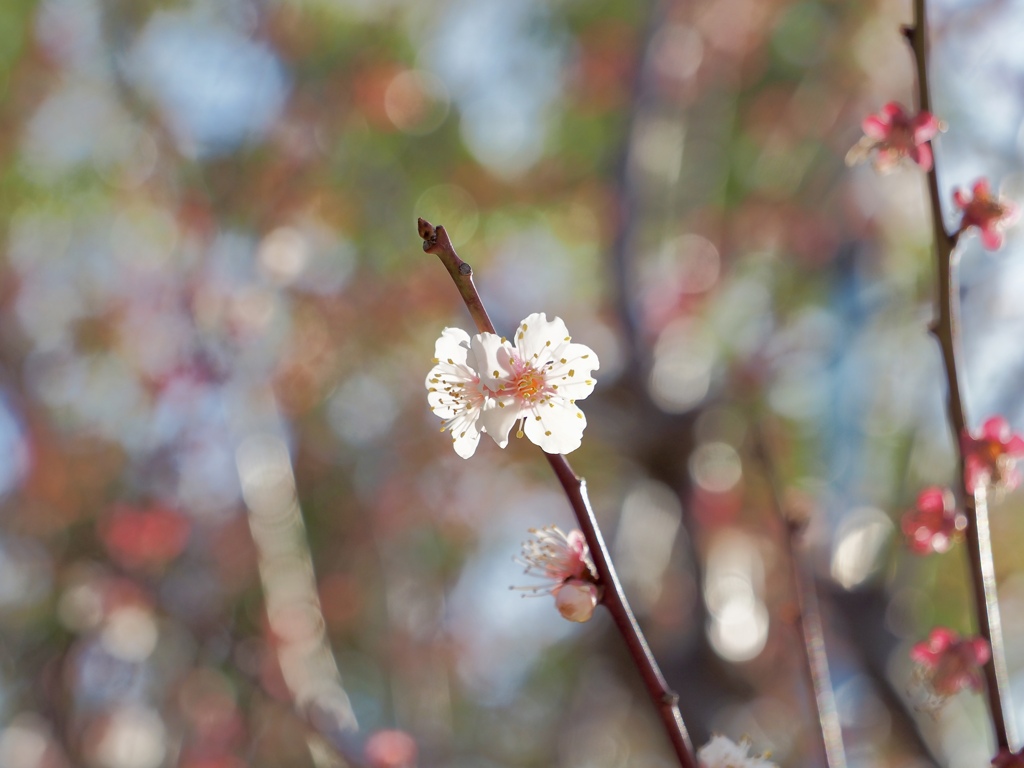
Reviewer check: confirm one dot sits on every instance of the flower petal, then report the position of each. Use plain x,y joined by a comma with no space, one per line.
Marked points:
465,434
875,127
491,355
922,155
537,337
556,428
571,373
453,343
925,126
991,238
497,418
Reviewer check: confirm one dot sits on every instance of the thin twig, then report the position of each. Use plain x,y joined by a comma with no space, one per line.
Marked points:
437,242
946,331
809,613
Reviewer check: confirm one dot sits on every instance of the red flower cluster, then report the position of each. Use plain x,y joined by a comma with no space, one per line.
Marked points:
949,663
935,523
991,457
894,136
989,213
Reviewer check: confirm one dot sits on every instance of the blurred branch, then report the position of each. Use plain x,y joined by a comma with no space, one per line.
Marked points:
627,195
946,331
437,242
808,611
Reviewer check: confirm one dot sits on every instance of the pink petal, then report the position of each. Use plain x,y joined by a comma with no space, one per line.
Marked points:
932,499
942,638
991,238
894,110
924,126
922,155
961,199
981,649
875,127
995,428
982,188
1014,446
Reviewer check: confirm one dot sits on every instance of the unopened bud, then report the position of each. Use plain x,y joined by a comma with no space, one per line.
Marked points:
576,600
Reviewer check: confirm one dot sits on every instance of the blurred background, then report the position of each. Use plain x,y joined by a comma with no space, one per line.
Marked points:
223,499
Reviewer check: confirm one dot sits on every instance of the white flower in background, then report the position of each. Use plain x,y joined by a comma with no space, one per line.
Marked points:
454,390
487,384
721,752
537,379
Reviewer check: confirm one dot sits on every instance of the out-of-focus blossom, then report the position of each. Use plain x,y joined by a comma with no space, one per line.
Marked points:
145,538
935,523
454,391
390,749
949,663
563,561
538,378
991,457
576,600
487,384
722,752
989,213
1008,759
894,136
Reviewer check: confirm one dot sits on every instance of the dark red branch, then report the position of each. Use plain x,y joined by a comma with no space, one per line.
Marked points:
946,331
437,242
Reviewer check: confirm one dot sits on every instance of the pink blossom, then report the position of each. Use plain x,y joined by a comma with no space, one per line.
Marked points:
563,561
894,136
934,524
988,213
948,663
991,457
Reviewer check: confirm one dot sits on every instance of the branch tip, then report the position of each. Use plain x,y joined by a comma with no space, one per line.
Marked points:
426,230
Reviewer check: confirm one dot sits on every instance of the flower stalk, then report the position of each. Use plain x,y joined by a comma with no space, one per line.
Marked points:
437,242
945,329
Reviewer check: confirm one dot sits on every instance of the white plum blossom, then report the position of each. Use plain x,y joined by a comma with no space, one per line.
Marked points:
487,384
537,378
722,752
454,391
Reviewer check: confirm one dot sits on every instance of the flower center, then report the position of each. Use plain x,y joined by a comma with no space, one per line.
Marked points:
529,383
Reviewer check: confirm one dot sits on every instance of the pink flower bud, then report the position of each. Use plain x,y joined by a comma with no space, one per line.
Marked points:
576,600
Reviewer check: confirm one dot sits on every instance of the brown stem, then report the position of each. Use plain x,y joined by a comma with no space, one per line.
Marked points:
945,329
437,242
808,614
